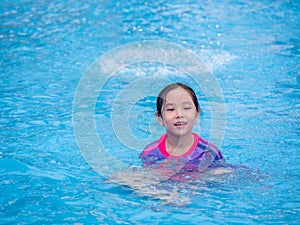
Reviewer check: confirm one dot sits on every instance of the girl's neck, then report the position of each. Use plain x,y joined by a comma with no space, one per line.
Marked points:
177,146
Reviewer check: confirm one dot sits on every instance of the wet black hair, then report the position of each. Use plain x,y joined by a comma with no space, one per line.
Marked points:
163,93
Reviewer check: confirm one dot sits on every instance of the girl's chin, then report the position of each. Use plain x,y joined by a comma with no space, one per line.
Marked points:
179,133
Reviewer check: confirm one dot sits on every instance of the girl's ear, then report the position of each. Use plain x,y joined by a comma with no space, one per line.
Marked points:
198,114
159,119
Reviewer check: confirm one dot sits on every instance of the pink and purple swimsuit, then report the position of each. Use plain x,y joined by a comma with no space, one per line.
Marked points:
201,155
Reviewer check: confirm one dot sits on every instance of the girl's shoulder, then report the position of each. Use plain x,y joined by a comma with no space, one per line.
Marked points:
207,146
153,146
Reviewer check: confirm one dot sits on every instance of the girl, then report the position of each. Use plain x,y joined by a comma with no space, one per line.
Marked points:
178,154
178,111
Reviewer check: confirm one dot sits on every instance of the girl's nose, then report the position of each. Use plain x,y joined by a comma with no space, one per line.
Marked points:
178,114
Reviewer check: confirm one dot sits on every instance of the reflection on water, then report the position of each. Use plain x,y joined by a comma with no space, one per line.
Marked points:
175,186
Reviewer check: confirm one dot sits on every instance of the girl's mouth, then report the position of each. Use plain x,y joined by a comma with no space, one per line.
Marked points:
179,124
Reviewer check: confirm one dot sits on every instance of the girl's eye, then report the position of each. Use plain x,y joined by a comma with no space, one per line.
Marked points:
170,109
187,108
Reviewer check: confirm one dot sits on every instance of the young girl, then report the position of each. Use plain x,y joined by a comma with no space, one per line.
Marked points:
178,111
178,155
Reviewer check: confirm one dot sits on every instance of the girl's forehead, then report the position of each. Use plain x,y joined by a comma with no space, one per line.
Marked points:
178,94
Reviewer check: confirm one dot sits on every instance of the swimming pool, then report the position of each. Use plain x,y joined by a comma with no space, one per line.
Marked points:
252,49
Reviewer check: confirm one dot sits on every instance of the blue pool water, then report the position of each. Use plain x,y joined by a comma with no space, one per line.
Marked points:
251,47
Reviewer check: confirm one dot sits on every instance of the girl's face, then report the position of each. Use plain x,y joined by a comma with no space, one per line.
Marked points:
179,113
